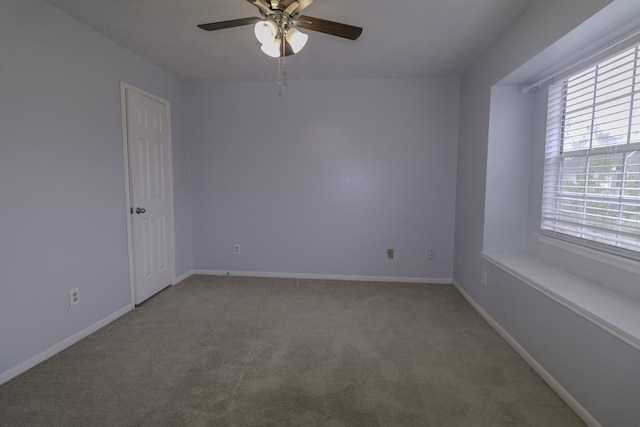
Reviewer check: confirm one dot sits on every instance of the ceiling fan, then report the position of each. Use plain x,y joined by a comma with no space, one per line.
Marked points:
277,30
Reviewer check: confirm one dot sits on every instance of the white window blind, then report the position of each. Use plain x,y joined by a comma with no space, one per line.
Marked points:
591,192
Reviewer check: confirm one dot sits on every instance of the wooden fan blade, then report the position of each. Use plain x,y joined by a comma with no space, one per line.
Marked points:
328,27
228,24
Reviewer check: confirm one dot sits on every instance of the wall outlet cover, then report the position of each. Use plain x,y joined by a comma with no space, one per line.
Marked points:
74,297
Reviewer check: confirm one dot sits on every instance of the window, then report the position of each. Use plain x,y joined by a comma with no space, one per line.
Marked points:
591,193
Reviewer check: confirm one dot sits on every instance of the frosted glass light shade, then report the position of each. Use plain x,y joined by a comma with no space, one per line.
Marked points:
296,39
272,48
265,31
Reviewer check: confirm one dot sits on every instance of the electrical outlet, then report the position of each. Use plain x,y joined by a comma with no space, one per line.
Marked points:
74,297
432,255
483,278
236,249
390,253
459,262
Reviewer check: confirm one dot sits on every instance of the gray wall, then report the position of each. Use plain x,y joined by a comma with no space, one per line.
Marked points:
598,370
508,166
62,203
326,178
544,22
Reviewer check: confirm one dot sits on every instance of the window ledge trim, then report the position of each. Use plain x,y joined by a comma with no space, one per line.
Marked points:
613,260
615,313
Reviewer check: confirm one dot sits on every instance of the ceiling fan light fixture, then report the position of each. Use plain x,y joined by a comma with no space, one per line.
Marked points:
265,31
296,39
272,48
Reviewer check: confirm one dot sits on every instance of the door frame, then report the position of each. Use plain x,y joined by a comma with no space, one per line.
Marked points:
124,87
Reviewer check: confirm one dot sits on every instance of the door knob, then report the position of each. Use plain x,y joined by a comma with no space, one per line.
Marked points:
140,210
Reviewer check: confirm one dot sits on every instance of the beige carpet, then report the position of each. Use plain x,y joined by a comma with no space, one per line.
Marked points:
230,351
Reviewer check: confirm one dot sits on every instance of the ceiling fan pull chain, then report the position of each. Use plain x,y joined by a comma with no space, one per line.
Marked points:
284,69
279,81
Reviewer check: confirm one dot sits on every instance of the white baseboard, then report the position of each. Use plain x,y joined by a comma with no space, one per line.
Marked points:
67,342
436,281
183,277
544,374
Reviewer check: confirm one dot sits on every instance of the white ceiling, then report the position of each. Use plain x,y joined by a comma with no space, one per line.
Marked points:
401,38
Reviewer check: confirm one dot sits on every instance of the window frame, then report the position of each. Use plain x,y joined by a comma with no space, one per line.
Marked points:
564,224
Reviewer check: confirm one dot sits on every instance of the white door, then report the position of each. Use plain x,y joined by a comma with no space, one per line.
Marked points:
148,141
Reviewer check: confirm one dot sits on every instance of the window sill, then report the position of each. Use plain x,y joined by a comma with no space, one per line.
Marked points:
606,258
611,311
